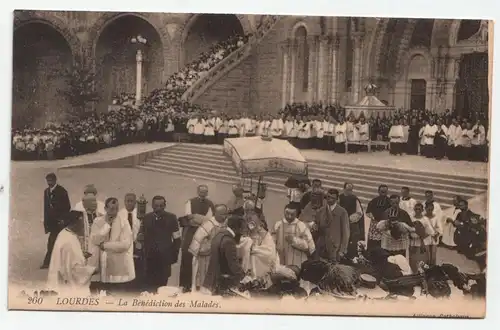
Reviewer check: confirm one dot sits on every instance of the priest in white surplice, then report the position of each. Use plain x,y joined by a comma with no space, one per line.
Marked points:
352,135
68,269
245,125
277,127
340,136
478,142
429,134
450,215
454,133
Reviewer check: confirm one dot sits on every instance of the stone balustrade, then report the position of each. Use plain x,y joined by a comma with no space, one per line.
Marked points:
231,61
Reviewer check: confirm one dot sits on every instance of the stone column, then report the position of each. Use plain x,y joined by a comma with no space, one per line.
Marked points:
357,38
312,42
324,43
334,72
138,82
293,67
453,70
285,49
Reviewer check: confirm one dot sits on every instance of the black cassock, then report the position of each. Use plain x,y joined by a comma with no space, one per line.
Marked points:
161,248
56,206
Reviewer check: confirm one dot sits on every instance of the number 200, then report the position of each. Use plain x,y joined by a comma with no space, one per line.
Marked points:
35,300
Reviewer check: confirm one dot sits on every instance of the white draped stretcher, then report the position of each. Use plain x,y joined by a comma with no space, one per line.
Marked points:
256,157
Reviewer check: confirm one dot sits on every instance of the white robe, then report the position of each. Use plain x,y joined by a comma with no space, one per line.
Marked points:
288,127
352,132
407,205
100,207
363,131
262,258
466,137
190,125
233,127
429,134
480,137
340,133
329,129
199,127
277,127
245,126
304,130
449,228
319,129
209,127
396,134
218,123
68,269
453,134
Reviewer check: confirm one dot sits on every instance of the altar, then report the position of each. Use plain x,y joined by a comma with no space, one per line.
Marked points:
369,106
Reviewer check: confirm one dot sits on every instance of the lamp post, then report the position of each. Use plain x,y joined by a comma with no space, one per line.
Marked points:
139,42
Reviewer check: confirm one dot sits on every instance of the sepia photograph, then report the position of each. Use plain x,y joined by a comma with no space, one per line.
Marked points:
249,164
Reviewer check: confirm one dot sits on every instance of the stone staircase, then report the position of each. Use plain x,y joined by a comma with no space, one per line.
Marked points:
230,62
209,162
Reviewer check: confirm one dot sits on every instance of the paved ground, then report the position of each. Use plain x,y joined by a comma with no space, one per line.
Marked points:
26,237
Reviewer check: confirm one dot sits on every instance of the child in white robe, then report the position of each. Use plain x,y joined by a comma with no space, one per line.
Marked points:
435,221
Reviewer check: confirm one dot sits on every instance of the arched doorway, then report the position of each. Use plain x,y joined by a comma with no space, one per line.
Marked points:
209,29
472,98
41,56
116,59
301,65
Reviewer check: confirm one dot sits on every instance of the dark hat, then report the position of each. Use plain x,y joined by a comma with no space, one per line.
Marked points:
73,217
236,223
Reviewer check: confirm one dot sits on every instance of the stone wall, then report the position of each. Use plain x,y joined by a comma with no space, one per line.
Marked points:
230,94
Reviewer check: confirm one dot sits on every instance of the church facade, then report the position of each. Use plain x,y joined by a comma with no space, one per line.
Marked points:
416,63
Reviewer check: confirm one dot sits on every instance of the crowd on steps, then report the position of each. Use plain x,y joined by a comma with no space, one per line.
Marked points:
162,110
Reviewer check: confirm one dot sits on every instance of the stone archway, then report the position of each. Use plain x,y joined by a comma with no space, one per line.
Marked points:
200,31
115,59
41,57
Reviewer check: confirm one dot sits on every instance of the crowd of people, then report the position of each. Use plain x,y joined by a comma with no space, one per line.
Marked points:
163,114
156,118
96,246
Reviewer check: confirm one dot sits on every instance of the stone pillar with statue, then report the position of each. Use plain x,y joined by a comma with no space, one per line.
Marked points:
139,42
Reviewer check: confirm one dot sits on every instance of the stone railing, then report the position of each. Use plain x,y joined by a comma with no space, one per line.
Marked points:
231,61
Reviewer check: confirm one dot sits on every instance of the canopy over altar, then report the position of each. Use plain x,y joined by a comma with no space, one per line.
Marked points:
369,105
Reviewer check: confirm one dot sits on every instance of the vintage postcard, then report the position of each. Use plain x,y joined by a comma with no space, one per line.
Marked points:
227,163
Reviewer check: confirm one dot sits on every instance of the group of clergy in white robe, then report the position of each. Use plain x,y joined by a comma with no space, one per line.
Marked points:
458,141
102,252
305,132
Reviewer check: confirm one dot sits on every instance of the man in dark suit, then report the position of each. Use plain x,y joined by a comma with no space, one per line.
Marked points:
332,222
56,207
224,269
162,241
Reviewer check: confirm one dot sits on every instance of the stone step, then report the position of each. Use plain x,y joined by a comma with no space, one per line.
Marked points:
320,171
217,152
362,190
210,163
